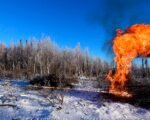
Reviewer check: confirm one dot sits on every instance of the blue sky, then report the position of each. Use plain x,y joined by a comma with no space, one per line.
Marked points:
67,22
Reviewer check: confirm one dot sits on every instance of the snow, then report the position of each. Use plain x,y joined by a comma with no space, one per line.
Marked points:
84,102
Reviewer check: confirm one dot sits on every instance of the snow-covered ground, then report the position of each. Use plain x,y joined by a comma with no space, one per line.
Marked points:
84,102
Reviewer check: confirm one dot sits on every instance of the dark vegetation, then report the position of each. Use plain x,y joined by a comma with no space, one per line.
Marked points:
53,80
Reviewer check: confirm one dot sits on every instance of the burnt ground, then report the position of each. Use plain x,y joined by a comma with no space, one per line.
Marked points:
140,96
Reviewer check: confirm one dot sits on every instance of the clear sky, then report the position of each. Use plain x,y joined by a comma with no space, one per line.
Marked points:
67,22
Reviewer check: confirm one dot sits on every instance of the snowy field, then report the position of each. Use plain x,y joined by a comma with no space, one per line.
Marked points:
84,102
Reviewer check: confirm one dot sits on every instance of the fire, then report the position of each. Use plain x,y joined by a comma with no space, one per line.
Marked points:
127,45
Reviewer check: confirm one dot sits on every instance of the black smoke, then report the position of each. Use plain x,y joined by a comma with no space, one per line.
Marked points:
114,14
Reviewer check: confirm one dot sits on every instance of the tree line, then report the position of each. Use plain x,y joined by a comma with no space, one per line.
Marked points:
43,57
142,69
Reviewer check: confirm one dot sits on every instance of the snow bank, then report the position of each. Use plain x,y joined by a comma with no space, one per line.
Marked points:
82,103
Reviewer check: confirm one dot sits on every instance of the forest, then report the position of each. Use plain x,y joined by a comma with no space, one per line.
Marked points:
44,57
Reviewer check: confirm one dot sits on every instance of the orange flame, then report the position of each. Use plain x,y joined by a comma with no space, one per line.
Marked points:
127,45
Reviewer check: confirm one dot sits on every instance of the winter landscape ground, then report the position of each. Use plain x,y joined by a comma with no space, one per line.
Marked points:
75,60
84,102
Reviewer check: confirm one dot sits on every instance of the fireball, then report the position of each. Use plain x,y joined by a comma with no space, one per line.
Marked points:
127,45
